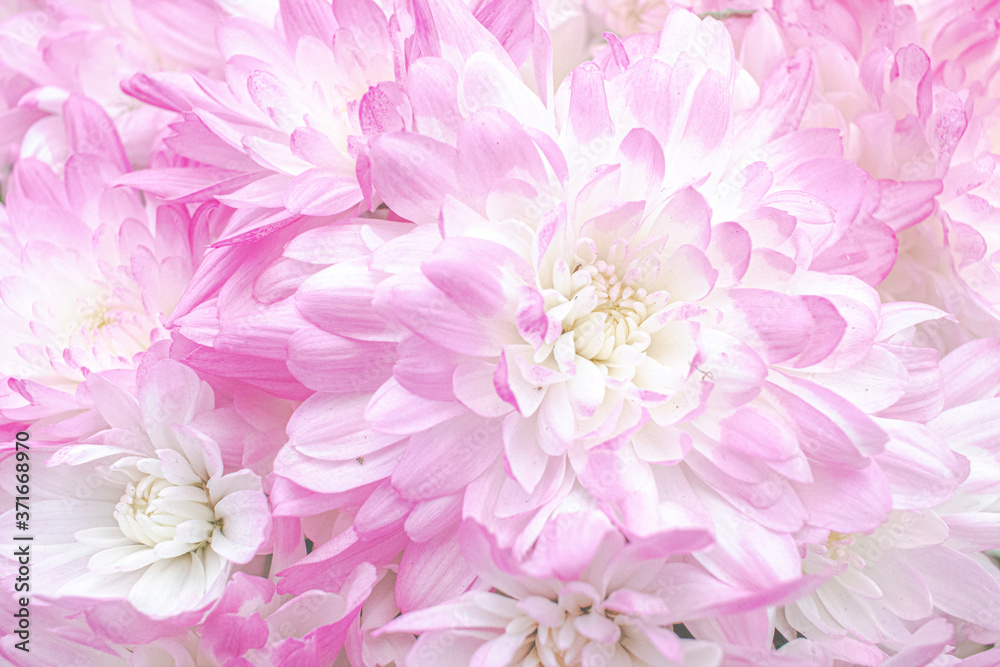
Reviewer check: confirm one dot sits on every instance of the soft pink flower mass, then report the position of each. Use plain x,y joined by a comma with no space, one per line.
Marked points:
501,332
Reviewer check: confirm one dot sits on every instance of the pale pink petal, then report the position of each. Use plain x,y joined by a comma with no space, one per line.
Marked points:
445,458
432,572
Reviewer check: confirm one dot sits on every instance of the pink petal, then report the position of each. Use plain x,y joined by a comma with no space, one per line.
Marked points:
689,276
971,372
428,312
433,90
448,29
867,250
589,118
432,572
492,147
90,130
307,17
469,272
831,429
924,397
828,331
473,386
846,500
338,299
338,476
382,513
393,409
782,324
330,363
433,516
973,531
931,640
959,585
425,369
445,458
973,425
922,470
687,220
512,23
320,192
641,157
366,20
783,97
333,427
413,173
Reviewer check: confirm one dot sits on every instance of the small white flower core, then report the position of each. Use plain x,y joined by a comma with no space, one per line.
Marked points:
602,303
152,508
620,309
559,631
112,320
840,549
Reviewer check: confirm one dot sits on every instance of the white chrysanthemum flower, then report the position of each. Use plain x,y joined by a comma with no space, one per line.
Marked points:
138,507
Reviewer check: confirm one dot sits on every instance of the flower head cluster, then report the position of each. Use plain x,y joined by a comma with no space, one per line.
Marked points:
502,333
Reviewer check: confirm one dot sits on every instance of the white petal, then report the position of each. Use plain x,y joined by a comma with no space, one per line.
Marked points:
105,537
194,531
173,549
245,518
176,468
109,561
169,587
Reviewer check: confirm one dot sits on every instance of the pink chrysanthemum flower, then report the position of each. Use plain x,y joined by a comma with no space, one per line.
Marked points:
927,559
88,47
950,259
587,307
285,127
896,89
138,506
251,625
887,581
89,271
583,597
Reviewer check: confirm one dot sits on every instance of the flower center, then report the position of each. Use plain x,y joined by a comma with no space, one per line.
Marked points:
151,510
602,301
841,551
112,321
838,546
96,316
565,627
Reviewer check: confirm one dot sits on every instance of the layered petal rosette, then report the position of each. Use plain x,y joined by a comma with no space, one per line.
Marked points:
583,596
910,92
58,49
253,626
926,560
284,128
90,271
138,505
617,292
